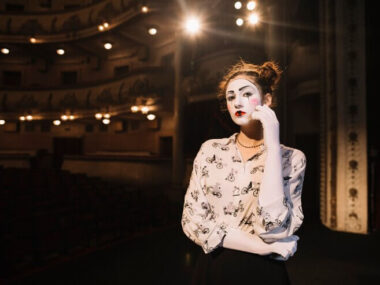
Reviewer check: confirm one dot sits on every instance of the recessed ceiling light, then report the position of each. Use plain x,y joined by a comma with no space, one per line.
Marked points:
107,45
152,31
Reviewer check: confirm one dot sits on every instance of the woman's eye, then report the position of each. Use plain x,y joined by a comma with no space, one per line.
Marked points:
247,94
230,98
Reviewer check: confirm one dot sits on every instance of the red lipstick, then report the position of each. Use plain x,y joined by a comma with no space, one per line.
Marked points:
239,113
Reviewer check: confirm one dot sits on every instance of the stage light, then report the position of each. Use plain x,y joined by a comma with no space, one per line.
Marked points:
105,25
253,18
192,25
64,117
60,51
107,45
107,116
32,40
135,109
152,31
22,118
98,116
238,5
57,122
29,117
251,5
5,51
151,117
2,122
144,9
239,21
106,121
145,109
71,117
101,28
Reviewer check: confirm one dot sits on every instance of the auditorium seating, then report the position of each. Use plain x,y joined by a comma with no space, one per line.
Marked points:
47,214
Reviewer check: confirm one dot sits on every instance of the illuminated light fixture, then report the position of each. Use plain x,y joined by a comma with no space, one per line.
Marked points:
29,117
152,31
101,28
135,109
106,121
145,109
71,117
64,117
107,116
151,117
107,45
144,9
239,22
105,25
5,51
98,116
192,25
2,122
22,118
57,122
238,5
253,18
60,51
32,40
251,5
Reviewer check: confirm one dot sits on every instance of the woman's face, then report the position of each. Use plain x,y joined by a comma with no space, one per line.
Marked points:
242,97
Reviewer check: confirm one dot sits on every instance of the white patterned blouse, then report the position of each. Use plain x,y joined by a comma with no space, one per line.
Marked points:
223,192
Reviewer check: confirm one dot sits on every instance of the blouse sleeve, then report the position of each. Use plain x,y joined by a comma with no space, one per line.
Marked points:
199,222
282,218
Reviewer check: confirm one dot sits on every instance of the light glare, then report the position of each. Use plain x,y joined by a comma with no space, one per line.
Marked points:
239,21
253,18
192,25
107,45
237,5
5,51
251,5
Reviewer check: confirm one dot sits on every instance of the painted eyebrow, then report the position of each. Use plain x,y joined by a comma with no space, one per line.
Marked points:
231,91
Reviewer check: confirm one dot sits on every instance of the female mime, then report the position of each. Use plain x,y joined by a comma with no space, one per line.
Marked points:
243,201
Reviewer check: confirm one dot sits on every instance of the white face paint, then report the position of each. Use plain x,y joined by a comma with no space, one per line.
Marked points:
242,95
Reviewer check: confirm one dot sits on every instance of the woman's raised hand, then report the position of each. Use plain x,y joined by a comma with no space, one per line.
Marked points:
270,124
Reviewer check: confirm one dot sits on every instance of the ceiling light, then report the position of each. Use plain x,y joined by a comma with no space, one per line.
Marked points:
105,25
106,121
151,117
152,31
239,21
144,9
60,51
57,122
64,117
192,25
101,28
29,117
33,40
98,116
145,109
134,109
71,117
107,116
251,5
107,45
238,5
22,118
2,122
5,51
253,18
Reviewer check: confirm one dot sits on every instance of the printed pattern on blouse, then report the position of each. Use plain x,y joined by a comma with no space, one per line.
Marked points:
223,192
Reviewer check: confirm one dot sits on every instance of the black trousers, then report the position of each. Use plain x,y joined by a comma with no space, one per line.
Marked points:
227,266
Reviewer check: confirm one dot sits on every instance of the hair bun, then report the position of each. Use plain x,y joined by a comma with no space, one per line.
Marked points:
270,73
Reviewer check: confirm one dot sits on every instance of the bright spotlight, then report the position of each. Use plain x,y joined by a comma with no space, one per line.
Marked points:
64,117
57,122
145,109
107,116
106,121
60,51
29,117
152,31
134,109
238,5
5,51
151,117
32,40
107,45
239,22
2,122
251,5
22,118
98,116
192,25
253,18
71,117
144,9
101,28
105,24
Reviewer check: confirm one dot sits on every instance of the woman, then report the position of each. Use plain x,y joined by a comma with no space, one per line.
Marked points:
243,202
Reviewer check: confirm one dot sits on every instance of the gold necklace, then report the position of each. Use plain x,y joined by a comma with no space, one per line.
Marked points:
247,146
